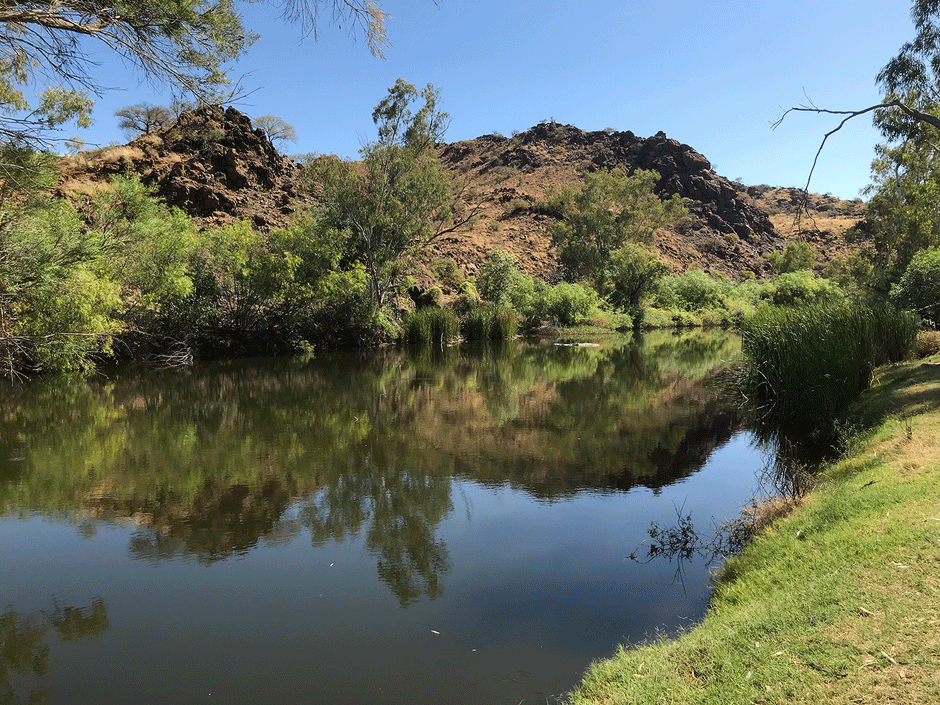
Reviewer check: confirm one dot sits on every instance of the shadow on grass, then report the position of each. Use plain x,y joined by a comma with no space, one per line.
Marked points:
900,390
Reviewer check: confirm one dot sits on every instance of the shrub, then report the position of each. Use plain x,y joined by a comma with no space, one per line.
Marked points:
569,303
795,257
447,272
654,318
919,287
633,272
502,282
691,291
802,287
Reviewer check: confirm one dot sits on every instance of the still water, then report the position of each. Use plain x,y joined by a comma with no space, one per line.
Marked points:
397,527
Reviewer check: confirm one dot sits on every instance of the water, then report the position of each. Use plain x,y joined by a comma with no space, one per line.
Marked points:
400,527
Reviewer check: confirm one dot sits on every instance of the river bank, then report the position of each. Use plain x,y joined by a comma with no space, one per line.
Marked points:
837,602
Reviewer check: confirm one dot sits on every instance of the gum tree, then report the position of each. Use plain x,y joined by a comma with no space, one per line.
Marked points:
605,228
398,200
185,44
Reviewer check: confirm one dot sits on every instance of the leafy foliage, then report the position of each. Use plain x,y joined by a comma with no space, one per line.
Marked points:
690,291
277,129
56,304
903,209
502,282
794,257
399,201
799,288
633,271
919,287
187,44
609,211
916,67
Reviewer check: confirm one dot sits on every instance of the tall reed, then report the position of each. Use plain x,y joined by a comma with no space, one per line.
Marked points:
431,326
803,366
490,323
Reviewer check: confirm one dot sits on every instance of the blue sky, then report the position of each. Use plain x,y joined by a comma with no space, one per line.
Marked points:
711,73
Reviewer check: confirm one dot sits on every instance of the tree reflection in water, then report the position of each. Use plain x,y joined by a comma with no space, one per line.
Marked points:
23,647
213,460
402,510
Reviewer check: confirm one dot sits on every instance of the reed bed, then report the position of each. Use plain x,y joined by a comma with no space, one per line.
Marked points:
490,323
431,326
803,366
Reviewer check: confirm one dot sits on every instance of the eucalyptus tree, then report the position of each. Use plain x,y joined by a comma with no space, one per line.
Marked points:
398,199
910,83
605,228
185,44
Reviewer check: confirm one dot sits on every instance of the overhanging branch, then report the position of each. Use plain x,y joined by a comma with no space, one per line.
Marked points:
849,114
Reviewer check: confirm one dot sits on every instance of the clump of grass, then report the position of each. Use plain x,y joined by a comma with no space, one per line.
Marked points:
803,366
431,326
490,323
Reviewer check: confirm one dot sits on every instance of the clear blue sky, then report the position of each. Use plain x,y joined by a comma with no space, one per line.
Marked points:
711,73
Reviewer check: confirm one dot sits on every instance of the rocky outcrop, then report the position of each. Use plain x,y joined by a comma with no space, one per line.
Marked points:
214,165
726,233
682,171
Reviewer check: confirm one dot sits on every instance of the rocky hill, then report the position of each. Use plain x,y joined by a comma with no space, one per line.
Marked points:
210,163
214,165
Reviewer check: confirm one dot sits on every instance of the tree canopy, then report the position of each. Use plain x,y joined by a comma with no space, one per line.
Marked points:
143,118
399,200
608,211
277,129
186,44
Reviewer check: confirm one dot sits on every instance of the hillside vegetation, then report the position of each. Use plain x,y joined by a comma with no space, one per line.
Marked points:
218,169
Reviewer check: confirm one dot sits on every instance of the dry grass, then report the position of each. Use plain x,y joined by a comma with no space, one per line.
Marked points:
928,343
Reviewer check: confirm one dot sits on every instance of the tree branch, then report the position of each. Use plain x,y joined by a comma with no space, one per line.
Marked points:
849,114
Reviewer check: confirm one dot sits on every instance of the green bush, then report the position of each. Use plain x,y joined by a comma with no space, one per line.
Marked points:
431,326
919,287
447,272
503,283
690,291
795,257
568,303
802,288
633,272
563,303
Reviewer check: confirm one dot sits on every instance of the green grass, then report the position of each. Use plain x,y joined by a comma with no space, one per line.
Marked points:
838,602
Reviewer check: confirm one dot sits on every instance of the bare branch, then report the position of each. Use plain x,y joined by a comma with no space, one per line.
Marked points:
849,114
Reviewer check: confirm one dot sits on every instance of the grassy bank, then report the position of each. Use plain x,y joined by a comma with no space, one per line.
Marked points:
838,602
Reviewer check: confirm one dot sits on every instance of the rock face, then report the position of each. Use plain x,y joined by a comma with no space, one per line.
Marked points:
726,233
682,171
213,165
